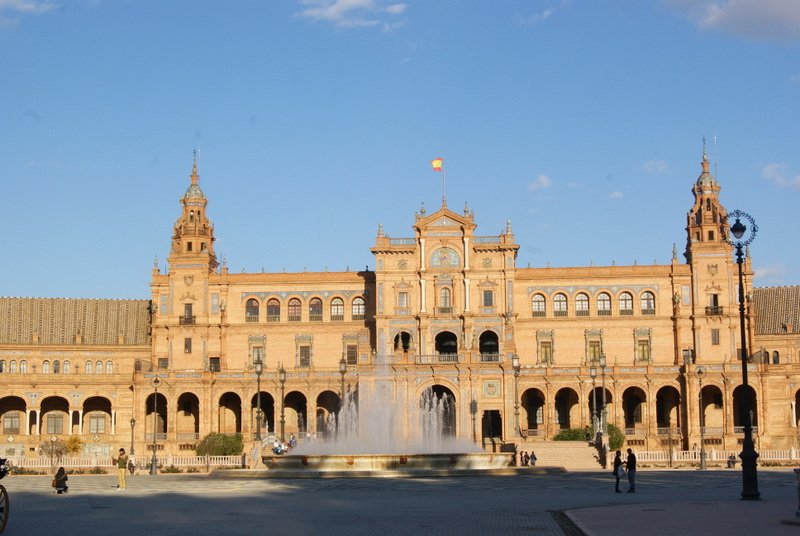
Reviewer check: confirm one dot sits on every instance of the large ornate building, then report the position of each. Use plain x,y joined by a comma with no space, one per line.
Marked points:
521,352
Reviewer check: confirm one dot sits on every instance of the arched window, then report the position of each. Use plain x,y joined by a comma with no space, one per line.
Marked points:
12,366
273,310
626,304
294,310
445,300
776,358
538,305
46,367
581,305
359,308
56,367
315,310
251,310
98,367
23,367
67,368
648,303
109,367
2,365
88,367
337,309
560,305
604,304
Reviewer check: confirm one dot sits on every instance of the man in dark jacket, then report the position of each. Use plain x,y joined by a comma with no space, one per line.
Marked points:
630,465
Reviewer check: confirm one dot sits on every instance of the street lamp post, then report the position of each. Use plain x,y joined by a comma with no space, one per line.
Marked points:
516,367
153,461
748,454
342,371
593,374
259,364
282,380
133,425
700,372
603,417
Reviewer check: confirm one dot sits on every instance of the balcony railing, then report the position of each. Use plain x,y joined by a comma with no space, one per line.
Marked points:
273,318
648,311
626,312
438,358
634,432
187,436
539,314
186,320
560,313
444,310
315,318
582,312
714,310
712,431
490,358
531,432
251,318
604,312
674,432
740,429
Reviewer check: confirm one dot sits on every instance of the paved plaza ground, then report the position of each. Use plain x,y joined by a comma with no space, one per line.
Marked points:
666,502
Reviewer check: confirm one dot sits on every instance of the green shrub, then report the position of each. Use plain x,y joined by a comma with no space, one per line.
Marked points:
97,471
615,437
171,469
18,470
220,445
571,434
192,470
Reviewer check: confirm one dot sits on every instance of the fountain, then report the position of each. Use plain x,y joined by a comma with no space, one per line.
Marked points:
378,432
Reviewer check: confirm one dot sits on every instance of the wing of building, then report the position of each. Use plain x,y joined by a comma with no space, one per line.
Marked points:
522,353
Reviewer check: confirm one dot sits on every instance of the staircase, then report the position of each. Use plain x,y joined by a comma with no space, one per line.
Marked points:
571,455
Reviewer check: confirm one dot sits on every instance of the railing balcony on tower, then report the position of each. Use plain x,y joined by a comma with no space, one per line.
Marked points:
186,320
714,310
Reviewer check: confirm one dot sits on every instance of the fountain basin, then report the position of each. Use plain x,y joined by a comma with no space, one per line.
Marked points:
390,465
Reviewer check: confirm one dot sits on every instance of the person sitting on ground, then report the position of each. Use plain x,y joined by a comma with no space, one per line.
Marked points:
60,481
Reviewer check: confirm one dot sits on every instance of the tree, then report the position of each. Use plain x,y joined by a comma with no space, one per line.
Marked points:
74,445
615,437
55,449
220,445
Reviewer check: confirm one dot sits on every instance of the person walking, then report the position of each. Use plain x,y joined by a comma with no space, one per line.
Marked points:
60,481
618,469
122,466
630,466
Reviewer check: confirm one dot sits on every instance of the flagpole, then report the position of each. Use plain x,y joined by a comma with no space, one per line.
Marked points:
444,179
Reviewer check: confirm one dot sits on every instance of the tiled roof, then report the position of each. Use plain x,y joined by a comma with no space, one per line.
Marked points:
777,310
58,321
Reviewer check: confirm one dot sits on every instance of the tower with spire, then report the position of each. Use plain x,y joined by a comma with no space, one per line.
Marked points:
713,288
193,233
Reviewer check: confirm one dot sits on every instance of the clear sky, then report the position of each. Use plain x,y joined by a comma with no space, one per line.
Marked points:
580,121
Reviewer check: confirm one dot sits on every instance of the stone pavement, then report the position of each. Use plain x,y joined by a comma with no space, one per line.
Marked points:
666,502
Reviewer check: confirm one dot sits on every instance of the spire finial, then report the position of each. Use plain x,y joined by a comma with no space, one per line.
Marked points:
194,166
705,153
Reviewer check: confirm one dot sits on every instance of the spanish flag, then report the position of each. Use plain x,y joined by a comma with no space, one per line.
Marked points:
437,164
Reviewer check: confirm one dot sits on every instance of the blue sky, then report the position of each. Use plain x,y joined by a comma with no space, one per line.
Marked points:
580,121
